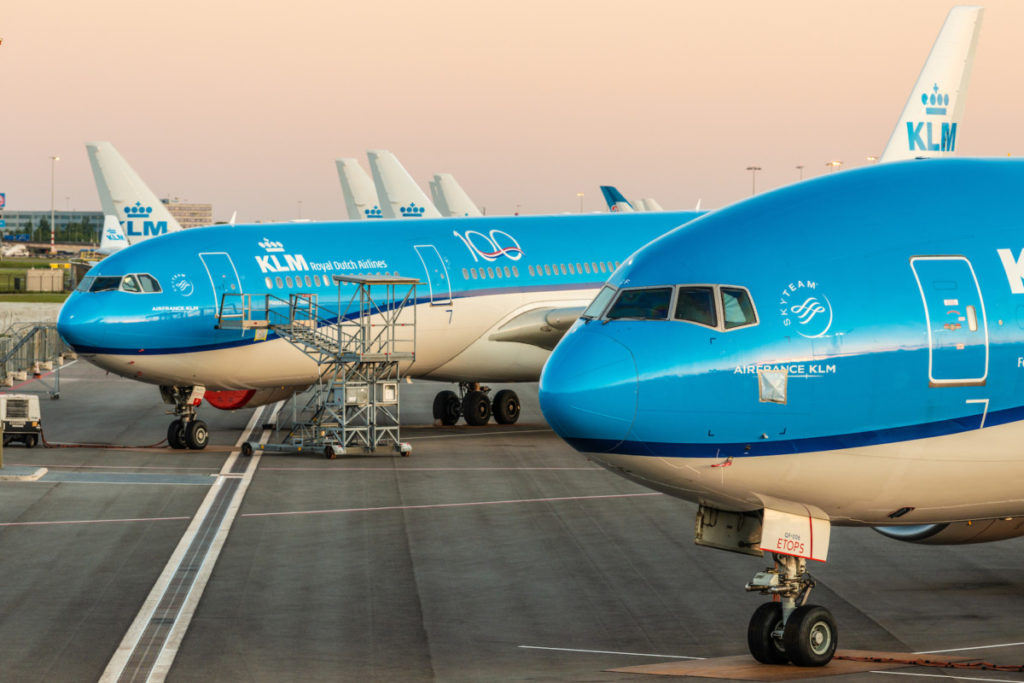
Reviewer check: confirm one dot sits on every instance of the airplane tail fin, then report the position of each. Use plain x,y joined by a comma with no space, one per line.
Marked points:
928,125
651,204
125,196
360,194
614,199
113,238
399,194
451,196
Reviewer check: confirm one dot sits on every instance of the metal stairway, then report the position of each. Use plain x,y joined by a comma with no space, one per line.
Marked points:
358,344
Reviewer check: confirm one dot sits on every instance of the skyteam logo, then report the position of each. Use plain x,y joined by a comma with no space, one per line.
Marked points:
182,285
920,133
137,215
411,211
806,308
490,246
272,263
375,212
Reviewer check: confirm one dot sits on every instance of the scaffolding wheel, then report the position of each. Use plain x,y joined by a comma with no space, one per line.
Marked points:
330,452
247,449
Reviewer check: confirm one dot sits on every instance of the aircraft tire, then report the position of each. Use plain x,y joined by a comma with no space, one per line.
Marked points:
447,408
176,435
476,408
810,636
197,435
762,645
506,407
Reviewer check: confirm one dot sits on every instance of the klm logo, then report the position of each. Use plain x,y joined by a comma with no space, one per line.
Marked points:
272,262
136,217
411,211
375,212
925,135
115,236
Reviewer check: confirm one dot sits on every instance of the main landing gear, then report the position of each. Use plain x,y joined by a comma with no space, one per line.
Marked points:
186,431
473,403
790,630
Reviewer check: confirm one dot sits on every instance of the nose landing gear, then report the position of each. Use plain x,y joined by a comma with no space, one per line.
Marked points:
186,431
790,630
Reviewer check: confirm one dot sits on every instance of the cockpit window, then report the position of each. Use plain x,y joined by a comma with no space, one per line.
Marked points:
134,283
737,308
148,283
130,284
600,302
105,283
696,305
642,304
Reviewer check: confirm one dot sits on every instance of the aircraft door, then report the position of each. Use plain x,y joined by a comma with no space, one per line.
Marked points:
955,315
437,275
224,278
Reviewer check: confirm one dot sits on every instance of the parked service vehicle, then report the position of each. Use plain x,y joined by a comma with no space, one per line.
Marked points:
19,417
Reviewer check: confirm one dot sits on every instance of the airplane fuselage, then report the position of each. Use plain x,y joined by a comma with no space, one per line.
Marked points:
879,369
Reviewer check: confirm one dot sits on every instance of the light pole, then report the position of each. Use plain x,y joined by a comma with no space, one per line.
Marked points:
580,195
833,165
800,168
753,179
53,167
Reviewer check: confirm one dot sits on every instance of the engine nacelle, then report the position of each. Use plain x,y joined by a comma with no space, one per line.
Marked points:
233,400
957,533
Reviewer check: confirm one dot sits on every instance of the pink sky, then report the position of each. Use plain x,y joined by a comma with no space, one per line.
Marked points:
247,104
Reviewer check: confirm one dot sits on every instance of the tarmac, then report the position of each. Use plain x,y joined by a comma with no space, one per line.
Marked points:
490,554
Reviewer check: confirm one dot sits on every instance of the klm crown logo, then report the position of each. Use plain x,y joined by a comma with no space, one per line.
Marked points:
137,213
921,135
271,246
412,211
935,104
375,212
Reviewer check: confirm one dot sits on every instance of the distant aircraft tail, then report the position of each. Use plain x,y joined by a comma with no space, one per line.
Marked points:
650,204
615,201
400,196
124,195
450,198
360,194
113,238
928,125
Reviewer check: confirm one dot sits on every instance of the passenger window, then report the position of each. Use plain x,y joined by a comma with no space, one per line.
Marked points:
642,304
515,271
130,284
483,273
547,269
497,271
288,281
309,282
472,272
563,268
602,267
696,305
269,282
279,281
572,271
507,274
465,274
600,303
316,280
530,268
738,309
586,267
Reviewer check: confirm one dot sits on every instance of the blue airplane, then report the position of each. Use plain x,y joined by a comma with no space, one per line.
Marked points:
497,295
847,350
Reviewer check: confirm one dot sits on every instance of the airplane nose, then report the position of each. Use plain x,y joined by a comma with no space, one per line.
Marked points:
588,390
77,325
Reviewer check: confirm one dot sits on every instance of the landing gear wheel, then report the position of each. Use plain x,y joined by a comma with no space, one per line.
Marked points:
447,408
176,434
764,647
506,407
476,408
197,435
810,636
31,440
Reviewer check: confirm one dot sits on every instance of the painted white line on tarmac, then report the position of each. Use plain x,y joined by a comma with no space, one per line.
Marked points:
95,521
437,506
949,677
115,467
433,469
605,652
166,583
468,434
967,649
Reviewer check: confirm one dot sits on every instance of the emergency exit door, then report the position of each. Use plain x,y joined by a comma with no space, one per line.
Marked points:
437,274
955,315
224,279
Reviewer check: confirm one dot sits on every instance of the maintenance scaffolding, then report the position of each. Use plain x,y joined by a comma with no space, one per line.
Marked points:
358,345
